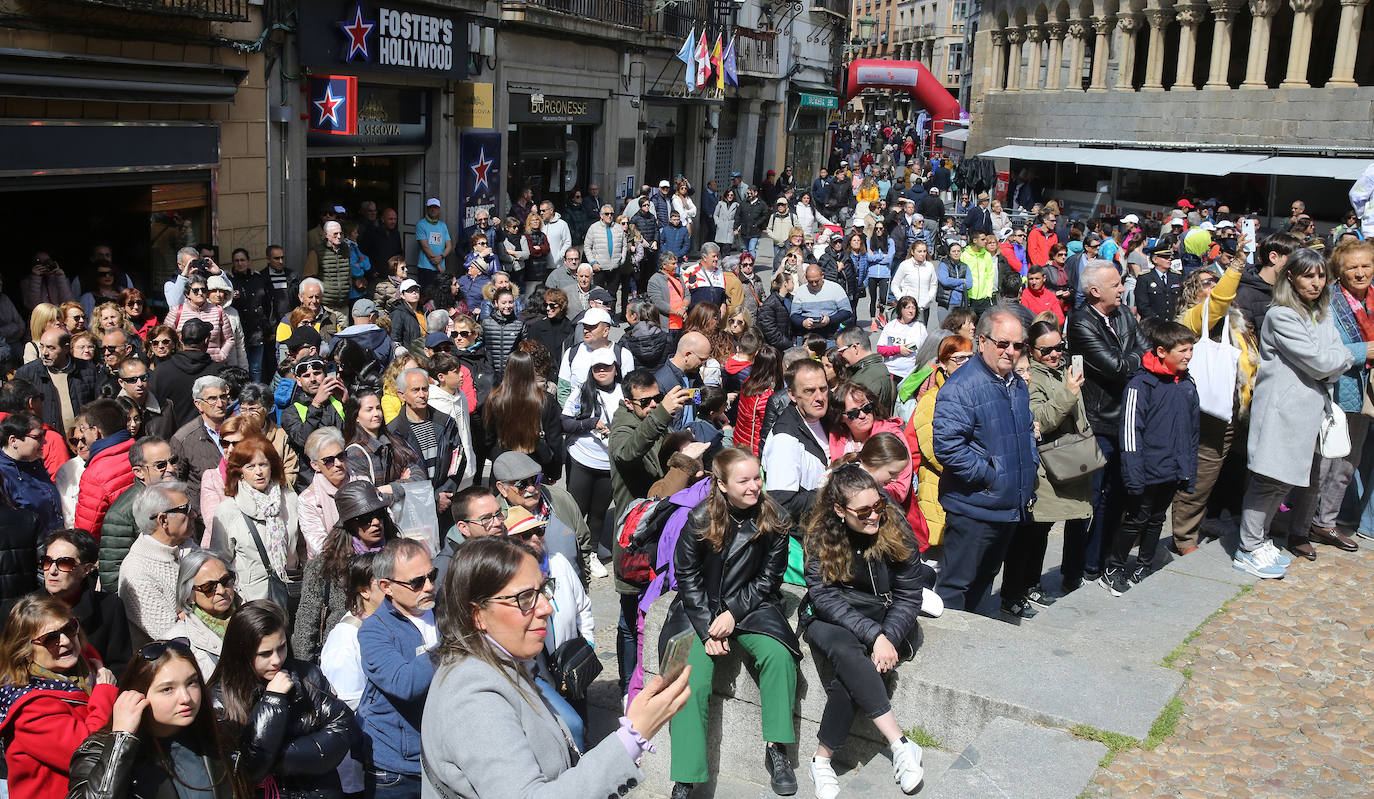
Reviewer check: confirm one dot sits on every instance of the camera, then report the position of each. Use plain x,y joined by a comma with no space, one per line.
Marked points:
199,265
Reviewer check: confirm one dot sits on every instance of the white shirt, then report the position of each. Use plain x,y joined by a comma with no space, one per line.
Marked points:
429,631
897,333
572,608
341,661
586,448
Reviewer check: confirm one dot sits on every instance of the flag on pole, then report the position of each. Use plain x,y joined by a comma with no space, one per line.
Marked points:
715,62
728,64
687,55
703,62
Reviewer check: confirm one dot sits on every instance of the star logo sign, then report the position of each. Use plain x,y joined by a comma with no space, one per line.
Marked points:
358,30
479,170
329,106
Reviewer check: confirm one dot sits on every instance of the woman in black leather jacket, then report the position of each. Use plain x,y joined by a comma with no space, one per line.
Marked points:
729,563
863,594
162,738
278,712
775,314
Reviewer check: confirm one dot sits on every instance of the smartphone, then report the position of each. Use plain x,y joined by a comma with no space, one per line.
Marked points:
692,396
1076,364
675,655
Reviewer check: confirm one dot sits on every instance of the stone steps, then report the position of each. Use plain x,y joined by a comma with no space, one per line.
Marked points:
1013,759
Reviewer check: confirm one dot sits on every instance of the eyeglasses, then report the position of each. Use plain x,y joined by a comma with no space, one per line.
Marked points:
154,650
329,460
607,213
1060,347
53,639
868,511
216,399
645,402
162,342
212,587
172,461
552,306
184,508
960,358
1015,346
488,520
865,409
418,584
35,435
527,599
63,564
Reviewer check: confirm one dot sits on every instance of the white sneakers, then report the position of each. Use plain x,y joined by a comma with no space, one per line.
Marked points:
823,775
931,604
906,765
596,568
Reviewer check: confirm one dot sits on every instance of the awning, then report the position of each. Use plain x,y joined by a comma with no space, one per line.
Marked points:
1299,166
1177,161
1125,159
1023,152
958,134
64,76
1206,163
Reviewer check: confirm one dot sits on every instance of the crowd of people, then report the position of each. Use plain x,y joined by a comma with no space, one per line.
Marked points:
274,539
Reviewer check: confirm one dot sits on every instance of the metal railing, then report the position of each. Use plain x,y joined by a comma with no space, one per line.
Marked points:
840,7
623,13
677,20
224,10
756,50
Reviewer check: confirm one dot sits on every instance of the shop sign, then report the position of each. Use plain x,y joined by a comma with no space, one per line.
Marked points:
479,177
678,91
383,37
819,100
553,108
334,105
385,115
473,105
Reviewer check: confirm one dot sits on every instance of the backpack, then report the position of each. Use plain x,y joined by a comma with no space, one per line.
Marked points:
637,538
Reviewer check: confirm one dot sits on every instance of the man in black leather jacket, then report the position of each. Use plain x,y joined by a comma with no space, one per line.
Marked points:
1112,344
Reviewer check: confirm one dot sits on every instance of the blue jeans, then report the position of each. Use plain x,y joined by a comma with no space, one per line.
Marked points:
392,785
752,245
576,726
627,638
255,362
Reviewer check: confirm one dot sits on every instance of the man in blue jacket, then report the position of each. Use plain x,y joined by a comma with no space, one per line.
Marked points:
983,437
396,642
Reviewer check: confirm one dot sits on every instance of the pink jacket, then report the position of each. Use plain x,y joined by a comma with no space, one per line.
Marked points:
221,334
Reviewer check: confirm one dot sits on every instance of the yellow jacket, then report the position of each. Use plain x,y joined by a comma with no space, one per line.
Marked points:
868,195
928,474
1218,303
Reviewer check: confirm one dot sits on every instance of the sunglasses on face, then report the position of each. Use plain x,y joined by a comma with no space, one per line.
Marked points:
464,333
865,409
418,584
528,483
527,599
529,535
162,342
868,511
552,306
134,304
53,639
154,650
63,564
186,509
212,587
328,461
1060,347
196,290
645,402
109,349
172,461
1015,346
143,378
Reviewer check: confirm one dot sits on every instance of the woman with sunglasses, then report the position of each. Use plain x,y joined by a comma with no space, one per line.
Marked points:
955,351
493,621
197,305
107,282
206,595
864,583
364,525
161,739
74,317
729,563
54,692
538,245
67,568
258,515
325,450
341,659
163,343
375,454
587,426
135,308
552,328
278,712
856,425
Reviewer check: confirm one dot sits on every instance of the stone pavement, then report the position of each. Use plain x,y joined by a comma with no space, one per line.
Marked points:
1280,701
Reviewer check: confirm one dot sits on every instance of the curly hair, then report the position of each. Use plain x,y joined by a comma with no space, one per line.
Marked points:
826,536
772,519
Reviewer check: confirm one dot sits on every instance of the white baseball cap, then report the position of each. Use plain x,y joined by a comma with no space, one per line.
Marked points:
433,202
596,316
663,184
407,285
1225,223
1130,219
1207,226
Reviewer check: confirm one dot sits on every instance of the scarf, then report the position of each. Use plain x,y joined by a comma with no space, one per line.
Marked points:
268,507
81,682
1364,312
217,626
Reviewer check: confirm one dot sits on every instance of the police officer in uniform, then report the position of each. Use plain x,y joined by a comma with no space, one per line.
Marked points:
1157,291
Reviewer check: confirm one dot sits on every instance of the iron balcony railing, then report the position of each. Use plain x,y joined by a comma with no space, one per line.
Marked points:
623,13
221,10
757,51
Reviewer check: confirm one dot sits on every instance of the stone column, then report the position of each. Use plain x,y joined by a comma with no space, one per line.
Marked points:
1352,17
1014,37
1055,67
1300,51
1125,60
1102,31
1224,14
1159,19
999,76
1262,17
1035,34
1078,32
1189,16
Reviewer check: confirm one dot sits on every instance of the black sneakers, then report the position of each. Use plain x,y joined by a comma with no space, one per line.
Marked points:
1037,596
1019,609
779,769
682,790
1115,581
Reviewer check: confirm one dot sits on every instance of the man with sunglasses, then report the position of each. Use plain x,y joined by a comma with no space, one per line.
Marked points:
867,367
395,642
148,574
604,246
982,433
317,402
521,482
152,462
1109,338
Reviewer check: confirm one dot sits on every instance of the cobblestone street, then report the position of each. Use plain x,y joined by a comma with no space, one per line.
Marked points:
1280,702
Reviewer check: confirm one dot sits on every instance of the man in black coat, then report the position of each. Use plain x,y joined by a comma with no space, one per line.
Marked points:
1112,344
66,383
382,242
172,380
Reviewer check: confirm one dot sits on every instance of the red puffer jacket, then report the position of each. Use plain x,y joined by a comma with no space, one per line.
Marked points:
108,474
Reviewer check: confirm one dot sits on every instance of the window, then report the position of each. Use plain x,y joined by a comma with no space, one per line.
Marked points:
960,9
956,57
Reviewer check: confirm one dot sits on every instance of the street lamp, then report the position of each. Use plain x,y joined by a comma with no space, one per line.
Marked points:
863,36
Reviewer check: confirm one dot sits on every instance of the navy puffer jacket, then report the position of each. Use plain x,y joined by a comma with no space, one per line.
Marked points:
983,437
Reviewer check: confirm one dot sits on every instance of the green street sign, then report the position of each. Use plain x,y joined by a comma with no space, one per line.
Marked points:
819,100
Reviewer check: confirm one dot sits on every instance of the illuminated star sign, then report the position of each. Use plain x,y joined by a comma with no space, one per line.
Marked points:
358,30
479,169
329,106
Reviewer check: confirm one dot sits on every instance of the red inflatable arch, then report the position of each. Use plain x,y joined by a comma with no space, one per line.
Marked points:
909,76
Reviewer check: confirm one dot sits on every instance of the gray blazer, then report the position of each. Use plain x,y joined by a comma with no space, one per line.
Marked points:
485,740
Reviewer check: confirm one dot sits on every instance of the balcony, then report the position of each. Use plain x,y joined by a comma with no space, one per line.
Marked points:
927,30
621,13
757,52
219,10
839,8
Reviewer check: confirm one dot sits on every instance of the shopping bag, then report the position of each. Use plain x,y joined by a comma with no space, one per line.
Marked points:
415,513
1213,369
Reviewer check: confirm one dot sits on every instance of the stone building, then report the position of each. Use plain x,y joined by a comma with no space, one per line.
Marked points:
1134,104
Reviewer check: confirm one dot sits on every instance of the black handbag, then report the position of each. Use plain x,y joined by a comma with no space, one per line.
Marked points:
1071,456
574,666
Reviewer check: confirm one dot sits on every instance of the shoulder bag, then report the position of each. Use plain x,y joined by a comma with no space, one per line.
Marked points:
286,594
1072,455
1333,437
574,665
1214,367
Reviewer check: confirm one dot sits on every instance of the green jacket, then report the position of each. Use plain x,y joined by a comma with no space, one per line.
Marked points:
634,464
982,271
335,273
117,534
1059,412
872,373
